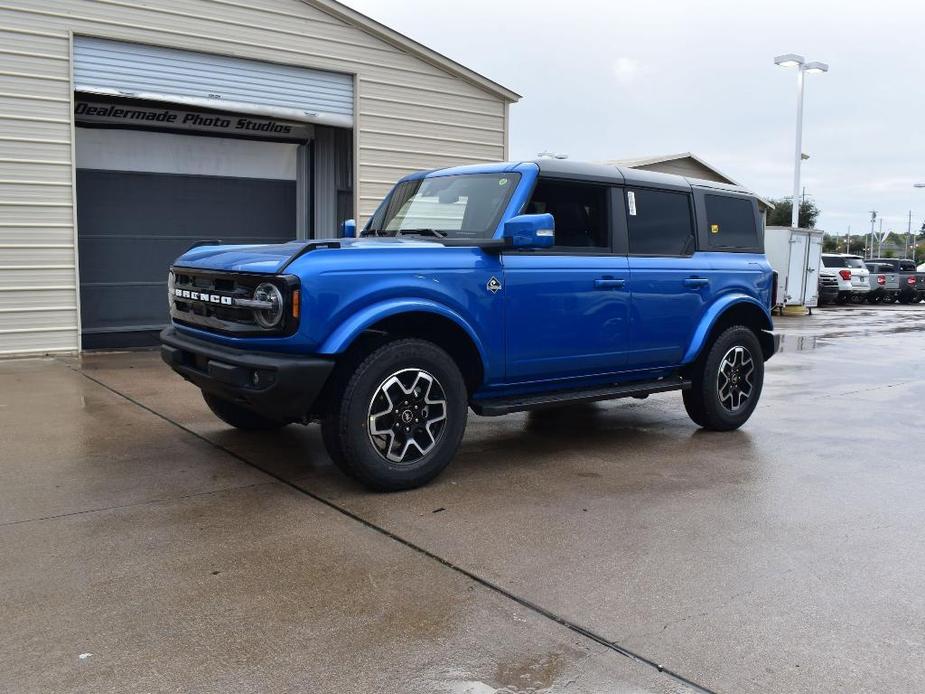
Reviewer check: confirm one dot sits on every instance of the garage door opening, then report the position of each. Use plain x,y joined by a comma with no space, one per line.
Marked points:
177,147
145,195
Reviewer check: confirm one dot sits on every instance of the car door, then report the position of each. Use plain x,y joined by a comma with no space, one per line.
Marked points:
567,308
669,282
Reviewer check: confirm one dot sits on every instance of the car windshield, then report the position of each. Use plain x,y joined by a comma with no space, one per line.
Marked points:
463,206
833,261
854,262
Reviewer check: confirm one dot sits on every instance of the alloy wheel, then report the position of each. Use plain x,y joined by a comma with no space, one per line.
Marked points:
407,416
734,381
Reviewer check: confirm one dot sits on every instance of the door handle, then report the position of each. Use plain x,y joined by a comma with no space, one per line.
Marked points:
609,284
696,282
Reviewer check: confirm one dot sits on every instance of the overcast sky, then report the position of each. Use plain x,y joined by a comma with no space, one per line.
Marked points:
612,80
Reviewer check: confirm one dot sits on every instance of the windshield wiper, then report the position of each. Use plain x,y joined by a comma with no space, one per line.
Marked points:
422,232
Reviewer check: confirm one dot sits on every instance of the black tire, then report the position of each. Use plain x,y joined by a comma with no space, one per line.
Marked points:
416,443
703,401
238,416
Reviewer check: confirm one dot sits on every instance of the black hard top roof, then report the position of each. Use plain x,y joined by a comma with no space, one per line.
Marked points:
622,175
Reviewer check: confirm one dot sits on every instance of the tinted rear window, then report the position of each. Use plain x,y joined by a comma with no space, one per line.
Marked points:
907,266
854,262
833,261
659,223
731,222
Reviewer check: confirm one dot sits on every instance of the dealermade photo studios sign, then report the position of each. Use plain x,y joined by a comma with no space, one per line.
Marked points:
169,118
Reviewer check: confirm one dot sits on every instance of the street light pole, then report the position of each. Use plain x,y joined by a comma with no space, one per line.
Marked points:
798,154
797,61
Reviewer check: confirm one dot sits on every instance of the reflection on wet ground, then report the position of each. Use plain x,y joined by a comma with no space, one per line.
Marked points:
785,556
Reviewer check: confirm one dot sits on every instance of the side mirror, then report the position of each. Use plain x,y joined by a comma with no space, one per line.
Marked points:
348,229
530,231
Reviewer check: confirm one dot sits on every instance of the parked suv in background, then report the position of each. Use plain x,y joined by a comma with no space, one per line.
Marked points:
851,274
501,287
828,287
911,282
884,283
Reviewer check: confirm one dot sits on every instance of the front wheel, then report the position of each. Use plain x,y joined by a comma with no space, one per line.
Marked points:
726,383
398,420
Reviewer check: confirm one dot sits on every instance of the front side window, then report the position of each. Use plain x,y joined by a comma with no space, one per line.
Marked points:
731,222
465,206
580,211
659,223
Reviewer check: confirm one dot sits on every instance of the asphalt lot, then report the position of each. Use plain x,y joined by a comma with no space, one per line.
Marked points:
144,546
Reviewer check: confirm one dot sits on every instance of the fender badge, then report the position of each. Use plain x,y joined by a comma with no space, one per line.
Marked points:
494,286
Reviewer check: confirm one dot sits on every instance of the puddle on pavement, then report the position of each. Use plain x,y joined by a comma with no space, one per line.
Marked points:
532,675
799,343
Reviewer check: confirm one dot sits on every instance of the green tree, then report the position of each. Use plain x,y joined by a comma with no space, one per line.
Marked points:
780,215
830,244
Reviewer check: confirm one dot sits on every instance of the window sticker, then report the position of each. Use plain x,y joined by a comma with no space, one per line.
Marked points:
714,228
631,202
502,181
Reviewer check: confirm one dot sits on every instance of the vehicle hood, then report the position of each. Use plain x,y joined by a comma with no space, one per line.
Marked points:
272,258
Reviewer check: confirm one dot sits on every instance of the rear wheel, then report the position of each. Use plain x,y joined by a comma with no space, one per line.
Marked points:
239,416
727,381
398,420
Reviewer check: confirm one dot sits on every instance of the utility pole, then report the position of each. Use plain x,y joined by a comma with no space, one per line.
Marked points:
880,239
908,235
870,243
848,241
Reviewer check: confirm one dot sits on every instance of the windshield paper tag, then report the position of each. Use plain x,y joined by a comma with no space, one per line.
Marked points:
631,201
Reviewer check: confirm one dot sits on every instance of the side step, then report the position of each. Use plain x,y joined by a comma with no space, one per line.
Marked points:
499,406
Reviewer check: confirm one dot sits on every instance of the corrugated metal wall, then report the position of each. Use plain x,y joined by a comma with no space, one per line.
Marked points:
409,114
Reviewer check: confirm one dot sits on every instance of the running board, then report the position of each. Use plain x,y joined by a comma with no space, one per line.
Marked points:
640,389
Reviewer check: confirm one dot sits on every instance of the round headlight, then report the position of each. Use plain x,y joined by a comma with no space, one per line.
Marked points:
268,317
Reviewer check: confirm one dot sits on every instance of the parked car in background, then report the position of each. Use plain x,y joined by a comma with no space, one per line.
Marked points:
850,273
860,278
911,281
828,286
884,283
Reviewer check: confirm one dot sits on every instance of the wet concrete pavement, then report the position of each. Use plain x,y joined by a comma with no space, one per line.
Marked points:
786,556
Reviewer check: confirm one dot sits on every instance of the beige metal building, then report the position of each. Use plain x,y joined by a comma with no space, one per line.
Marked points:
130,130
684,164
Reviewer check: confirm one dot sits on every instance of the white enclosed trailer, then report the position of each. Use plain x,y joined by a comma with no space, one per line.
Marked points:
795,255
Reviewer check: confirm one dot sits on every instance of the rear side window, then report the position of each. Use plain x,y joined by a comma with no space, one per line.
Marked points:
731,222
659,223
906,266
833,261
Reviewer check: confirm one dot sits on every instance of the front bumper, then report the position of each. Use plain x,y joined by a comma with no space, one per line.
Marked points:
278,386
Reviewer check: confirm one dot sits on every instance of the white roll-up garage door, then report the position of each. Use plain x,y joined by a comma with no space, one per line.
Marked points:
154,73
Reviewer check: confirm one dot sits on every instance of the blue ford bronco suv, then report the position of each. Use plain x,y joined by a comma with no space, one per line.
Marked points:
498,287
